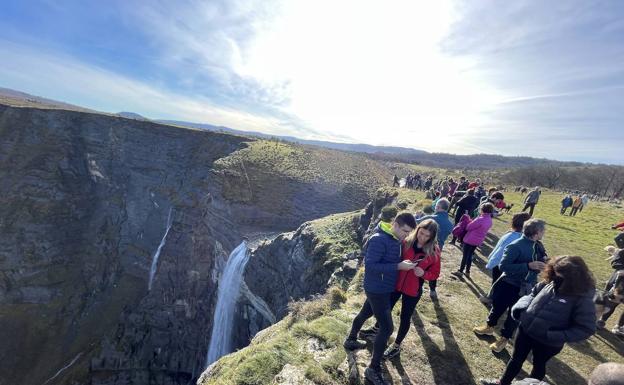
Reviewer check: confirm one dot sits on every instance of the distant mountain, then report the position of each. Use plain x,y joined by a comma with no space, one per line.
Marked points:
131,115
22,99
353,147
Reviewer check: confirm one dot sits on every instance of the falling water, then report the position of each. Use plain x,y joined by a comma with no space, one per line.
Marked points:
157,253
229,287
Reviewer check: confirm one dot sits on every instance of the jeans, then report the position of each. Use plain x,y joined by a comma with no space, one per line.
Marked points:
466,261
530,206
504,296
378,305
541,354
496,273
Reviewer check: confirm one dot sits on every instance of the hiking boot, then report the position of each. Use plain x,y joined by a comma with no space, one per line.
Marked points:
484,330
370,332
433,294
618,331
489,382
600,324
485,300
375,377
353,344
499,345
457,273
393,351
467,274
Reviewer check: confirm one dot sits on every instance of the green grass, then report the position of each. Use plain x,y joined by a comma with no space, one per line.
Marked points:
440,347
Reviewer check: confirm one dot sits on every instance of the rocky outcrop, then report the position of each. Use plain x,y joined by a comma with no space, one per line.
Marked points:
84,200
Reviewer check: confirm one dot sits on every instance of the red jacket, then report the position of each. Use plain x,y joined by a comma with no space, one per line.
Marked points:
408,283
619,226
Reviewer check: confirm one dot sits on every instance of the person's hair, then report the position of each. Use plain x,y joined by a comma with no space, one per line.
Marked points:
498,195
443,204
405,218
429,247
517,221
471,191
462,177
487,208
428,209
608,373
532,227
388,213
576,279
491,190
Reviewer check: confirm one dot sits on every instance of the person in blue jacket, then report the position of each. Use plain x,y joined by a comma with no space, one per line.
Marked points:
382,263
559,310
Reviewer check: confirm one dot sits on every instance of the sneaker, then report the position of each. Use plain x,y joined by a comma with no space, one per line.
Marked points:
467,274
499,345
457,273
353,344
485,300
392,351
375,377
433,294
618,331
489,382
370,332
600,324
484,330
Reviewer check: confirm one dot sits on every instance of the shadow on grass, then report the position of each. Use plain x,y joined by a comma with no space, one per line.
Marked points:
405,380
449,366
584,347
612,341
561,227
562,374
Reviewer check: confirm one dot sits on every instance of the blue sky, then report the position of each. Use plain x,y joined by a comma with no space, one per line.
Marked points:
534,78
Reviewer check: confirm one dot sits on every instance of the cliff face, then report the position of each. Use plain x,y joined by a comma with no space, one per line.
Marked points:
84,201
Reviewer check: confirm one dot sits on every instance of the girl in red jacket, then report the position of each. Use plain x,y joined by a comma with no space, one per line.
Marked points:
422,248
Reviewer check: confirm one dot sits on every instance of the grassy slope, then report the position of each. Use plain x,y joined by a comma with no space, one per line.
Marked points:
440,348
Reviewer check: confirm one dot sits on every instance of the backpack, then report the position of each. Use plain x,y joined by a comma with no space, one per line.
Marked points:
619,240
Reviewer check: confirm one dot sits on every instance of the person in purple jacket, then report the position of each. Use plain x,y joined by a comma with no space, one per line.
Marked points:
475,235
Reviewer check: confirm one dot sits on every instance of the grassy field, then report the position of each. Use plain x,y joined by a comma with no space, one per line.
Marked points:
440,348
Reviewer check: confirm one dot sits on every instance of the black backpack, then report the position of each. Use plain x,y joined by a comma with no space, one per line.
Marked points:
619,240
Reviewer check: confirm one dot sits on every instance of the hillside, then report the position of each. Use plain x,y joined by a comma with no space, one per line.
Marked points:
306,346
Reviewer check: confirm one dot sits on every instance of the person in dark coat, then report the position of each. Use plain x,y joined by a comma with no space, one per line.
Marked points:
559,310
466,205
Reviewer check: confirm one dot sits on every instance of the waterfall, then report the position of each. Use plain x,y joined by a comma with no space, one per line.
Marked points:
157,253
229,287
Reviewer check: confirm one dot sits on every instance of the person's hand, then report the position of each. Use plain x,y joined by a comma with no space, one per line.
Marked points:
613,227
406,265
418,271
537,265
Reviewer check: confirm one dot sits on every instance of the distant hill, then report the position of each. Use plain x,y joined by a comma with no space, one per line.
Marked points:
384,153
132,115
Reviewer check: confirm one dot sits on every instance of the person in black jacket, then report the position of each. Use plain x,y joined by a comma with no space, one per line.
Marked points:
559,309
617,263
466,205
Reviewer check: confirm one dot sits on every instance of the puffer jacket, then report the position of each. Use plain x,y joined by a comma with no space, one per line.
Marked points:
554,318
383,254
408,283
477,230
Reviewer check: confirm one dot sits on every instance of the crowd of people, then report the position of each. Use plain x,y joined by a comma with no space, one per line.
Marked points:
548,301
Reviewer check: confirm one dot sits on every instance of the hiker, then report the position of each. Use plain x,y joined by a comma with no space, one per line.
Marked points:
617,263
475,184
495,257
584,202
578,202
444,189
475,235
608,373
522,261
558,310
382,264
421,248
565,203
395,181
531,200
463,184
445,226
452,187
465,205
497,199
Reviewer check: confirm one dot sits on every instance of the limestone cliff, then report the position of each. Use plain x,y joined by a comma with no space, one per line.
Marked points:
84,200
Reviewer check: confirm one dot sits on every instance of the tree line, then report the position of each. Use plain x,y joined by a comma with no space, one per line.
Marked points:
603,180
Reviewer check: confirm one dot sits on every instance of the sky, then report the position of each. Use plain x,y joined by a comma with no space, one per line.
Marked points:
529,78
